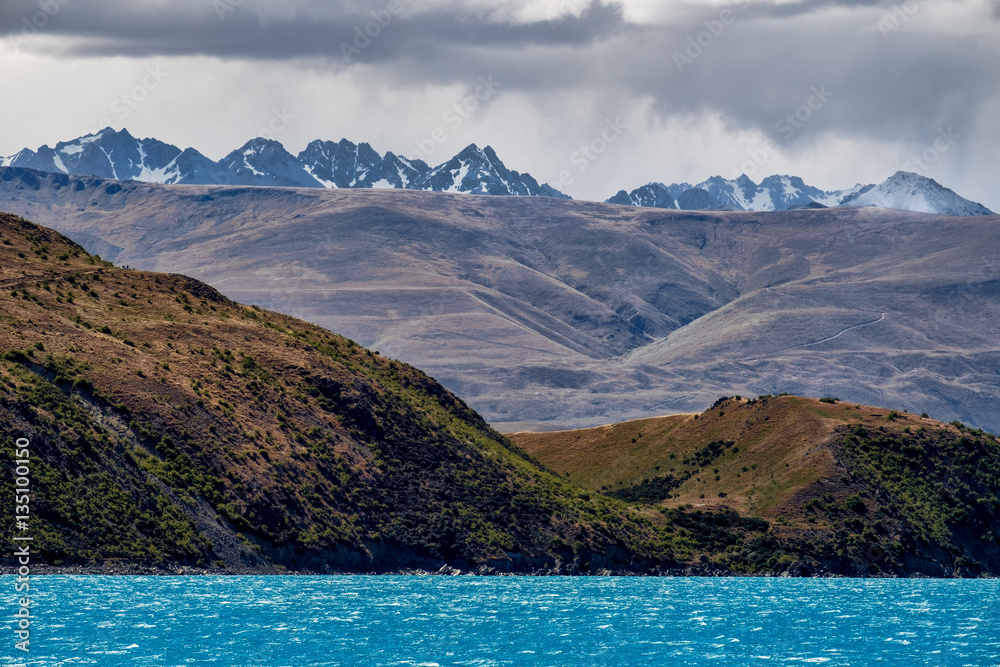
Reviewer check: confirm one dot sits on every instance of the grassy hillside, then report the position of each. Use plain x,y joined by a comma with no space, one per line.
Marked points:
169,425
886,490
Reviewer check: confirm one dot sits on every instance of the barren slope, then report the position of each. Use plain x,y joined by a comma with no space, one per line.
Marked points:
546,313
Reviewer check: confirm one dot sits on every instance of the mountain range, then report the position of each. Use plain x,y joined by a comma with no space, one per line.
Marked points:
326,164
265,162
903,190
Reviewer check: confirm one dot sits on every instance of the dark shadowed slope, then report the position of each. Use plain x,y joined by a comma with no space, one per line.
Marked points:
169,425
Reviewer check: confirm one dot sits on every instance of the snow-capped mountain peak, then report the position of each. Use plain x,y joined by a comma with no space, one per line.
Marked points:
914,192
117,155
114,155
479,171
263,161
653,195
903,190
342,164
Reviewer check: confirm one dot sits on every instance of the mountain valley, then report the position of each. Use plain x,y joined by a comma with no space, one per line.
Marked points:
545,313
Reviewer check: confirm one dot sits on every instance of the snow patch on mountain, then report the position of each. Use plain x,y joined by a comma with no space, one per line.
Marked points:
653,195
915,193
326,164
903,190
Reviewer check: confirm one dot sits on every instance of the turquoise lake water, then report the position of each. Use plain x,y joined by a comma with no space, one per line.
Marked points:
395,620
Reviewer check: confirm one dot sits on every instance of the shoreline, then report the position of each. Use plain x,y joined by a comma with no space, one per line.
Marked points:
136,570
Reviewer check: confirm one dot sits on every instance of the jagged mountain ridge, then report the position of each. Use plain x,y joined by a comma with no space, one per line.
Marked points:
265,162
118,155
327,164
903,190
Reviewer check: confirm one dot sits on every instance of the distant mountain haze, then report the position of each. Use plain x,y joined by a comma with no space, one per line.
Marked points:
903,190
344,164
543,312
323,164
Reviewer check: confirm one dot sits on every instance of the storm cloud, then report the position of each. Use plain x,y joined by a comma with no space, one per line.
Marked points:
846,90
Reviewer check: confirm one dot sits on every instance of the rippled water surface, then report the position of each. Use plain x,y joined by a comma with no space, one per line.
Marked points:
297,621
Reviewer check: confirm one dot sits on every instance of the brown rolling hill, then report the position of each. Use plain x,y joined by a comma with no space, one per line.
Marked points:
171,427
820,470
557,314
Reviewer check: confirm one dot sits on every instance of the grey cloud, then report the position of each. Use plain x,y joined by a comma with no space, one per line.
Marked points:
900,87
757,72
306,28
790,9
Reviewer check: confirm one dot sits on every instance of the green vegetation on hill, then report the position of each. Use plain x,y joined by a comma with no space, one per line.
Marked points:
91,506
942,484
169,425
846,488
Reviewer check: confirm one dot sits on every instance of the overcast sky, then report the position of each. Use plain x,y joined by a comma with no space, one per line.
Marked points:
591,97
